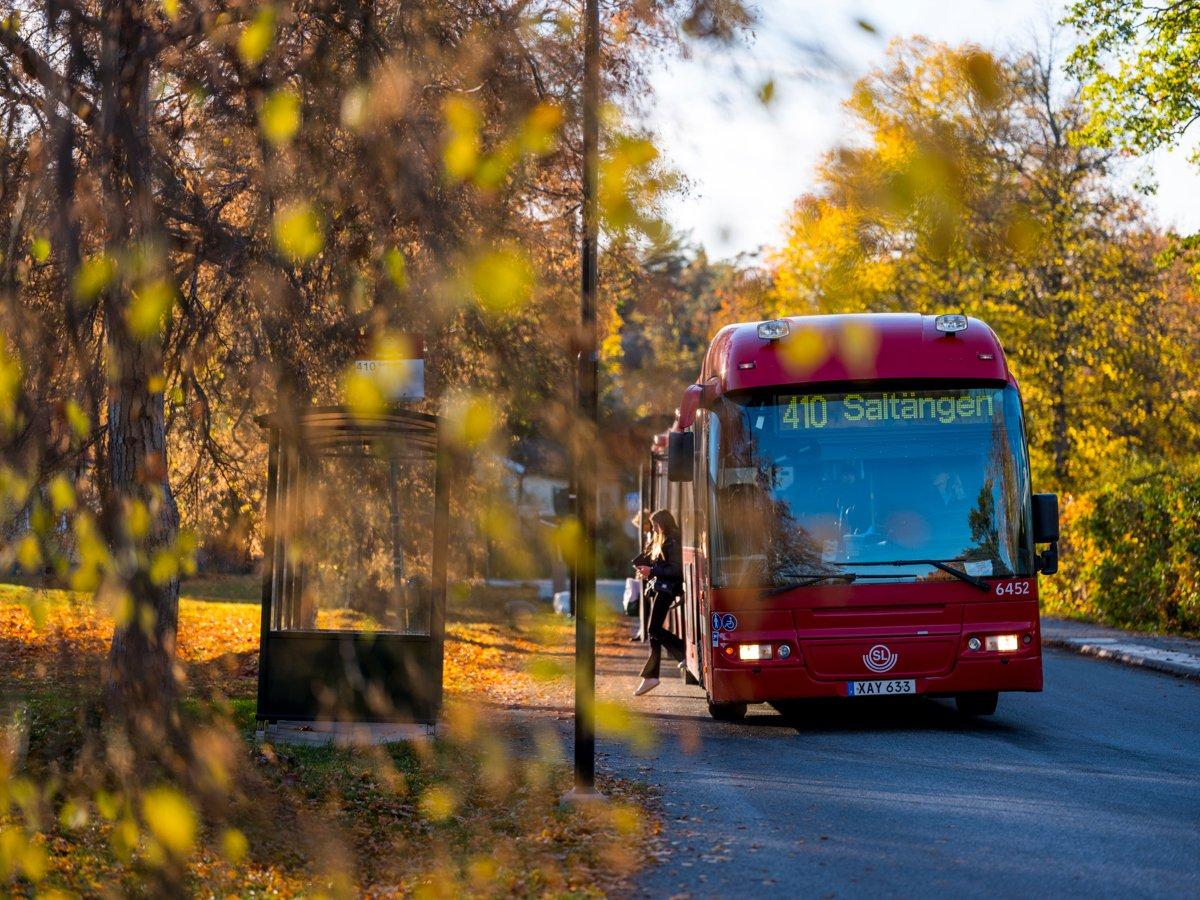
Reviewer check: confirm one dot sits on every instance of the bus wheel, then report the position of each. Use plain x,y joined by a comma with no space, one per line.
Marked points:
980,703
727,712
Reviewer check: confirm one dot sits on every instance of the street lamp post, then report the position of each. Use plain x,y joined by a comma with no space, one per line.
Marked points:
583,581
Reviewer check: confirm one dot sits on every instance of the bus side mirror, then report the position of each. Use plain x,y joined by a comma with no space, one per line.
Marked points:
681,452
1045,531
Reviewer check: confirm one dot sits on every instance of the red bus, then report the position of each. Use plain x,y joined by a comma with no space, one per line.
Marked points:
857,514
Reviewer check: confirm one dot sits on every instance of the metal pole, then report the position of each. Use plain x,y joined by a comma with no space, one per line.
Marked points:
583,581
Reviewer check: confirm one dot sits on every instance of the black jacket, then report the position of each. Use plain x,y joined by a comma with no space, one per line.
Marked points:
666,574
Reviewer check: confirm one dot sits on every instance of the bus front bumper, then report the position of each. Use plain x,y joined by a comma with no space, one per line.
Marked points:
766,683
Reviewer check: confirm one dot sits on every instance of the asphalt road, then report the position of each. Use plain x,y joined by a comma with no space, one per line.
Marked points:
1090,788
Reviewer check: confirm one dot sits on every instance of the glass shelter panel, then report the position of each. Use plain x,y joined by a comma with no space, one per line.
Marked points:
359,540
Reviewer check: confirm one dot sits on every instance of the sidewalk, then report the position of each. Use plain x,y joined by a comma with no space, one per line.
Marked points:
1173,655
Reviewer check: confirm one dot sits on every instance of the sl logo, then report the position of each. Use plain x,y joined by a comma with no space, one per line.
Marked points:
880,658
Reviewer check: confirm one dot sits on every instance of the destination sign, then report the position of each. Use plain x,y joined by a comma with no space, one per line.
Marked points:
801,412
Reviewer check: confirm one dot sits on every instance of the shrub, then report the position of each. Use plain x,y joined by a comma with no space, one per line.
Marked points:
1133,549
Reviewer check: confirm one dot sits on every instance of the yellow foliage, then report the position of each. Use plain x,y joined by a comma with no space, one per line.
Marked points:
29,553
279,116
298,232
464,143
501,280
362,394
396,268
62,494
149,308
234,846
76,418
170,819
803,351
94,275
470,420
39,249
438,803
539,131
256,39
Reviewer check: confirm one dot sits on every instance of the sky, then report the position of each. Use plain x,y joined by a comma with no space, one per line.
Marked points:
746,163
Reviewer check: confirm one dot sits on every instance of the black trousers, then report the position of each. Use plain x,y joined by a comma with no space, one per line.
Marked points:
659,636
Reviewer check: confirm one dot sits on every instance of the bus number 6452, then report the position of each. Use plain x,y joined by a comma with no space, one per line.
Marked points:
1014,588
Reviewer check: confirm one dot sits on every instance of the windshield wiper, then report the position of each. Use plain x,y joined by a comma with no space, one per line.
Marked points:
808,582
977,583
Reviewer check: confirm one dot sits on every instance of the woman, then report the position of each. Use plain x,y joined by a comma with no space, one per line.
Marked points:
660,566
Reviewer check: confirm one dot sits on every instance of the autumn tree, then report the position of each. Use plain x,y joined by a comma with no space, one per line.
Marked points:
212,207
970,194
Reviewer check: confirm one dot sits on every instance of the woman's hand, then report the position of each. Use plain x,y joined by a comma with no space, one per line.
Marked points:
643,571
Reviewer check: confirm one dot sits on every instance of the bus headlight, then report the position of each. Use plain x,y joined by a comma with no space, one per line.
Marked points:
974,644
784,651
754,652
1002,643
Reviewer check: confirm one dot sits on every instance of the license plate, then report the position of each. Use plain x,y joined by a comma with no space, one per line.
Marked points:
881,688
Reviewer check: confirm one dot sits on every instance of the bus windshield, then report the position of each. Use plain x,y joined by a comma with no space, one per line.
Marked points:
868,484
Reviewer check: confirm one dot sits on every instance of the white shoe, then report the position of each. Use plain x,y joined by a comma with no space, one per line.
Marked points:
647,685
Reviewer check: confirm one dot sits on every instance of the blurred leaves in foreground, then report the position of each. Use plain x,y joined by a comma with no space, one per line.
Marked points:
474,812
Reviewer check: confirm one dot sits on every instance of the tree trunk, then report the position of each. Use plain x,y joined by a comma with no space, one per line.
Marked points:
141,680
142,657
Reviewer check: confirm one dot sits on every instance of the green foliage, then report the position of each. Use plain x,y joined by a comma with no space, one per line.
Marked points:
1139,62
1131,552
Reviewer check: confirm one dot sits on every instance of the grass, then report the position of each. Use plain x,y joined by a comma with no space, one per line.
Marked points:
474,812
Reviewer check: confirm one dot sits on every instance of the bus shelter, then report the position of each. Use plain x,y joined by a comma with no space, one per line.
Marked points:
354,568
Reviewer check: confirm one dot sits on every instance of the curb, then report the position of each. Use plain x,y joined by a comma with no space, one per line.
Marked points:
1170,662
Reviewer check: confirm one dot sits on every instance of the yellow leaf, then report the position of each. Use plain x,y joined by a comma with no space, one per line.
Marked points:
150,308
39,249
108,805
362,395
137,520
803,351
170,819
539,132
77,419
73,815
567,537
10,384
470,420
33,862
984,75
258,36
234,846
163,567
29,554
122,608
502,279
859,344
62,494
279,116
464,144
438,803
298,233
397,269
171,9
37,609
94,275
